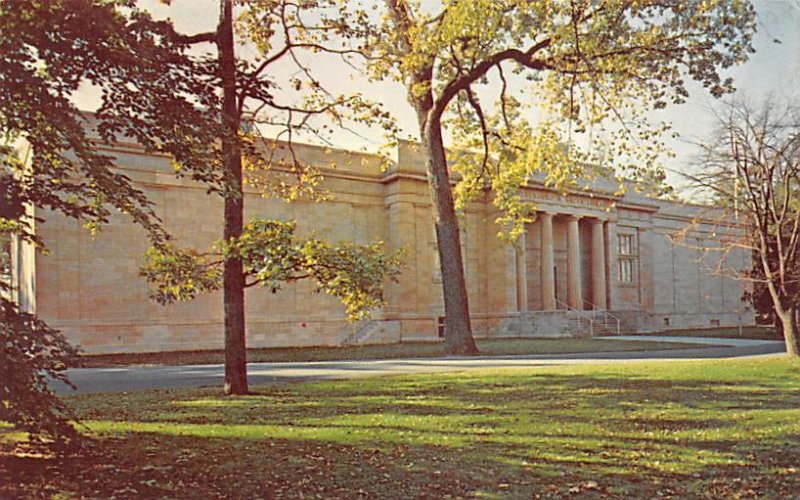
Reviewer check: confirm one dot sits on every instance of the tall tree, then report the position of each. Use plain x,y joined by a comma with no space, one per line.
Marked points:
590,63
751,169
284,32
233,275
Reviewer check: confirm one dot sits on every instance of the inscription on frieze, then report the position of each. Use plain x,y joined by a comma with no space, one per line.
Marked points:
570,199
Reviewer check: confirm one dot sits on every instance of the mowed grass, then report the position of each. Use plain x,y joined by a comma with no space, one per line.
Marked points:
696,429
489,347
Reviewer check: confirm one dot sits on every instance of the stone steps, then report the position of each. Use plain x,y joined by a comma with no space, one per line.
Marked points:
601,325
362,334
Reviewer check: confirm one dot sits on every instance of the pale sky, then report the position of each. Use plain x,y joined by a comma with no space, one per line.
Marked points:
773,69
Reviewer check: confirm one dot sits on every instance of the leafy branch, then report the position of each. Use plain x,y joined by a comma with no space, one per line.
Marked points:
273,255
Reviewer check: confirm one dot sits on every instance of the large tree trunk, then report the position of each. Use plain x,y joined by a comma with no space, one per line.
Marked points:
233,277
788,319
457,326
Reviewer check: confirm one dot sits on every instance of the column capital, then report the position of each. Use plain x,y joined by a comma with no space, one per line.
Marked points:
575,218
544,213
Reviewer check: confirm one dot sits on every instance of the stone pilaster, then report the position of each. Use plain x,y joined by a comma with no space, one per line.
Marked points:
522,272
646,268
598,265
612,299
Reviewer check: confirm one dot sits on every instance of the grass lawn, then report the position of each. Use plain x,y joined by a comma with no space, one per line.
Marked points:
709,429
386,351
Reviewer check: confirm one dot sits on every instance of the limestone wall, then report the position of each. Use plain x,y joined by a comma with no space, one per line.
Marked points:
695,272
89,286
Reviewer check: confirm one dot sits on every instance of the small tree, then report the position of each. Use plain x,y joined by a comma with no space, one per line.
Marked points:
758,296
590,62
751,167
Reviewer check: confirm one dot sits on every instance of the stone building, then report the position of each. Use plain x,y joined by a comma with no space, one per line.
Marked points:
592,263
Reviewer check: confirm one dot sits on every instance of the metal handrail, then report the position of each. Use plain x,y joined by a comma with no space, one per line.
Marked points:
581,314
606,315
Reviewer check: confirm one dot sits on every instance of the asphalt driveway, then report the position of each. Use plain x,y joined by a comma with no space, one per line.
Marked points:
124,379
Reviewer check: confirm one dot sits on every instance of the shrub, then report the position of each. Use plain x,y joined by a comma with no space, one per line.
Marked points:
32,355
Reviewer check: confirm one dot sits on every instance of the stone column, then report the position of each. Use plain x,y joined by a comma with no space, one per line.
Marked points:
574,294
547,281
522,272
598,265
23,269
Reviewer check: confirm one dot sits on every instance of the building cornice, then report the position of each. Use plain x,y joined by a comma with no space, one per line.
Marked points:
609,201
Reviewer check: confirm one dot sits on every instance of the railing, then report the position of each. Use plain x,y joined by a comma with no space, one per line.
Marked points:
581,314
606,316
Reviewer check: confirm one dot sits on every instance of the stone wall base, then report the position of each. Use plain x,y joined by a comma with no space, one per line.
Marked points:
646,322
261,333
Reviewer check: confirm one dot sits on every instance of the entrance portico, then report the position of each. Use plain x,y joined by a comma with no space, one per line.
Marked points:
585,242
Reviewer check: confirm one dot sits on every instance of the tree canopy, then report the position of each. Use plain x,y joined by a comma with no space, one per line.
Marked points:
49,160
51,49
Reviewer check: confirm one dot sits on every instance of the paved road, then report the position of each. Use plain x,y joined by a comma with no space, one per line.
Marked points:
137,378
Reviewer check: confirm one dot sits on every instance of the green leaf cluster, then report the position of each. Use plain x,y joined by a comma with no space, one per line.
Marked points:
273,255
180,274
50,49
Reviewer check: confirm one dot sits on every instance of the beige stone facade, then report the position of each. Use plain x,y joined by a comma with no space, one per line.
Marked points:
590,258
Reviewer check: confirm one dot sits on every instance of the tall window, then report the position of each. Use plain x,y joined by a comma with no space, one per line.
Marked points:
627,257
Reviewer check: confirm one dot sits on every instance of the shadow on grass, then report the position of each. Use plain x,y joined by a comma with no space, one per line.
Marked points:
151,465
620,432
